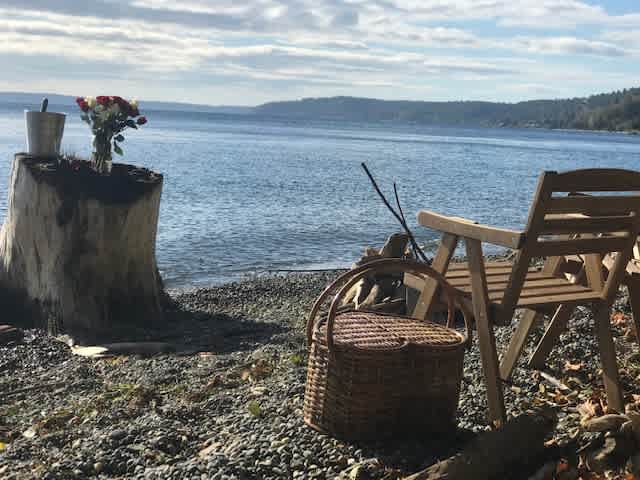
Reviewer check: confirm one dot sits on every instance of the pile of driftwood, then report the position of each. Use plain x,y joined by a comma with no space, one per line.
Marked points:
381,292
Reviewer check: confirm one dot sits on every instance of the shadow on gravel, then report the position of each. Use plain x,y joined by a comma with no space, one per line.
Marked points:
216,332
410,455
414,454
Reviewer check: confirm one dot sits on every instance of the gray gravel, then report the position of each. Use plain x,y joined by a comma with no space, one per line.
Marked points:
227,404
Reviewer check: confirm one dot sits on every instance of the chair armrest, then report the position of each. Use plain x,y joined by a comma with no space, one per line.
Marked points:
469,229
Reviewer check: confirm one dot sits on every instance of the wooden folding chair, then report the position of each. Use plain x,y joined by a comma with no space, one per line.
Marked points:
557,226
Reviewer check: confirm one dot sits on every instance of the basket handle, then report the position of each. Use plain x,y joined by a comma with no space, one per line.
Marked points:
383,266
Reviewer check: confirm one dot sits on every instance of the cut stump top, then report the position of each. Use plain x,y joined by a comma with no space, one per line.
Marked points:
76,177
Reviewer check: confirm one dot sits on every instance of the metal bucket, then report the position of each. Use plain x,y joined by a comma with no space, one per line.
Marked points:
44,133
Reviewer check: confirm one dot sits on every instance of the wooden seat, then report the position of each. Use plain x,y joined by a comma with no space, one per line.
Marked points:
538,290
559,228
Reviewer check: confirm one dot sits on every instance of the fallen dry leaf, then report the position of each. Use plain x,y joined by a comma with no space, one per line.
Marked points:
257,371
214,447
573,367
560,399
619,319
590,408
562,465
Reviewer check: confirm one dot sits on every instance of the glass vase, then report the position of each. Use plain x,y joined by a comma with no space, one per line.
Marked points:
101,156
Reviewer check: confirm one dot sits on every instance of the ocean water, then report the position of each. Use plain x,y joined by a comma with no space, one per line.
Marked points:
246,194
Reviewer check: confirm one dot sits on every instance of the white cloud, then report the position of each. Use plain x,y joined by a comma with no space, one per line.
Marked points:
400,45
628,38
572,45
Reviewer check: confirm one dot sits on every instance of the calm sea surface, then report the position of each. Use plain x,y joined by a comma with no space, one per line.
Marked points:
245,195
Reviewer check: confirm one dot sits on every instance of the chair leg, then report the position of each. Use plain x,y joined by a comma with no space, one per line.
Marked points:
633,284
610,375
440,264
556,326
486,337
516,344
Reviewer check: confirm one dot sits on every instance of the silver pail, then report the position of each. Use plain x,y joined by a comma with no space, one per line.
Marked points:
44,133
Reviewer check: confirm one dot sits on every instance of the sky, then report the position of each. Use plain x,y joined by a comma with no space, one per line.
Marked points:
246,52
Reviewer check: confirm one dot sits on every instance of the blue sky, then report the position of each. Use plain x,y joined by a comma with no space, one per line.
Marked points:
251,51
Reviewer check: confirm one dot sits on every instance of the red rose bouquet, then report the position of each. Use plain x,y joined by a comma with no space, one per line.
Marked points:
108,117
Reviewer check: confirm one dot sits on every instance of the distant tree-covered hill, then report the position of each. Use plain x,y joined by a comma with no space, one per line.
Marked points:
608,111
32,101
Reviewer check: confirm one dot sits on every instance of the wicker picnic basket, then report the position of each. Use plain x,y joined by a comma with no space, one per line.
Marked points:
373,375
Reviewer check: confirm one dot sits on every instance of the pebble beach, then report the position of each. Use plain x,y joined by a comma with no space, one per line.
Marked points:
224,400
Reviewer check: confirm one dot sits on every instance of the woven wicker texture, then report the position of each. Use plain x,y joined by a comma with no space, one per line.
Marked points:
375,331
381,375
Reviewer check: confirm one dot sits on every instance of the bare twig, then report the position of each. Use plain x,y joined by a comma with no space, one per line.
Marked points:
554,381
416,249
399,216
395,192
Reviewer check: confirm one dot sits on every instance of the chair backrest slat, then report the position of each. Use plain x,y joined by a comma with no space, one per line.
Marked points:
595,180
553,248
557,224
594,206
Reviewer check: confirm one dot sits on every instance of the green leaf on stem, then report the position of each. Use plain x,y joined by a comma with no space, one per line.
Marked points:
117,149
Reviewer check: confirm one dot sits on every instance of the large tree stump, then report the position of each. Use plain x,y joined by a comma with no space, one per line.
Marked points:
77,249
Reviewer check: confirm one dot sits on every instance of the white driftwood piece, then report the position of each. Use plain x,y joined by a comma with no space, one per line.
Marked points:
78,262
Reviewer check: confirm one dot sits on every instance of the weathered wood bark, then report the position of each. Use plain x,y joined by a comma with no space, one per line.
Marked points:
492,453
370,291
77,249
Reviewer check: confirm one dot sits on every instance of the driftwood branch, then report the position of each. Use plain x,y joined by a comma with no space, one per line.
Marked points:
399,216
417,251
518,442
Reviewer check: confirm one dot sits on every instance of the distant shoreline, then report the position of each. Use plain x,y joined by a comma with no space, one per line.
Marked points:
617,111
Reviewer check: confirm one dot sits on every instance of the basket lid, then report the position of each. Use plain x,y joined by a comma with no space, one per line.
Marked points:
379,331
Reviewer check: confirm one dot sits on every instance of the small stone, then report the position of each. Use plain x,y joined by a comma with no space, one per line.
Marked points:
117,435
